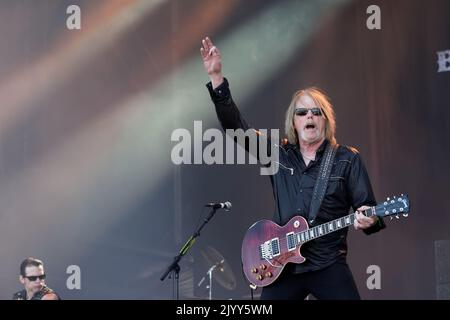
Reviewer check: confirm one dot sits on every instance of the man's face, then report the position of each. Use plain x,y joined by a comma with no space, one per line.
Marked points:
310,128
35,283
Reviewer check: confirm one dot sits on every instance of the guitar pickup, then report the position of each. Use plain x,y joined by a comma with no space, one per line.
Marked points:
291,241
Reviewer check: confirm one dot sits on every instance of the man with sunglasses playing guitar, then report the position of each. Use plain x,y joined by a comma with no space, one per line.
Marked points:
310,129
32,276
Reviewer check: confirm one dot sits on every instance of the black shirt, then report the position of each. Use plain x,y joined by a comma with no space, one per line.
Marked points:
349,187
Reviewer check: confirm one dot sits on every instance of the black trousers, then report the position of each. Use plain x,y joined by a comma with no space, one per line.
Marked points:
332,283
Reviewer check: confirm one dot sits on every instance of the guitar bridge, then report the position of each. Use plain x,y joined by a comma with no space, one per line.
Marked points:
270,249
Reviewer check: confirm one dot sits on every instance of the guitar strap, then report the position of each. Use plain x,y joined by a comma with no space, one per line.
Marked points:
322,181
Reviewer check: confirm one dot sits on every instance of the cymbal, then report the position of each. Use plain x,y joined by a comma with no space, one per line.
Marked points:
222,272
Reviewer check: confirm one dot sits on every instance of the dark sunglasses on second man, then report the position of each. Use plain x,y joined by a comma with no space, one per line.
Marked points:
304,111
34,278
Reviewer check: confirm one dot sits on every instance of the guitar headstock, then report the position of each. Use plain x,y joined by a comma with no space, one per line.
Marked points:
393,206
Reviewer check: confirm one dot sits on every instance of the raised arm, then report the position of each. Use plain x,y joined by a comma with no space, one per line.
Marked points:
227,111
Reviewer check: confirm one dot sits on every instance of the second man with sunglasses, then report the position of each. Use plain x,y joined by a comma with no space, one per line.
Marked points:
32,276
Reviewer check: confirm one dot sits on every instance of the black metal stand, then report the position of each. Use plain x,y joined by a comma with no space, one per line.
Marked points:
174,267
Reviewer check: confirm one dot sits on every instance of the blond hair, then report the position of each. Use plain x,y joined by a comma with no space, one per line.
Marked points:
323,102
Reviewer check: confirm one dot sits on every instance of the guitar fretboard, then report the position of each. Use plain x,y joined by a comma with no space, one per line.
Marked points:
295,239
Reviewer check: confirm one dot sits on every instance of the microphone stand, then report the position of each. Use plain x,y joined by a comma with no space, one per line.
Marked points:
174,267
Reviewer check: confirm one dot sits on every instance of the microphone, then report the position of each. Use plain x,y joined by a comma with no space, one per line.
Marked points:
220,205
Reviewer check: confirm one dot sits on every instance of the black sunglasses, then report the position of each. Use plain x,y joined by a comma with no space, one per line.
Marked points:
304,111
34,278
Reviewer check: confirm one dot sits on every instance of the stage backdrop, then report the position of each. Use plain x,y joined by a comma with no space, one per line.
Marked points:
91,93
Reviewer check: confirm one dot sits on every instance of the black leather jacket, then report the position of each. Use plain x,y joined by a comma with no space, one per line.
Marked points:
22,295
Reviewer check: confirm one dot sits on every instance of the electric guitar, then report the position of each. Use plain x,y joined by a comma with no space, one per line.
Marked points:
268,247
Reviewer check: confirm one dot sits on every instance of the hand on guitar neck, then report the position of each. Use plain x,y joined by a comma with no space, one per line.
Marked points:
363,222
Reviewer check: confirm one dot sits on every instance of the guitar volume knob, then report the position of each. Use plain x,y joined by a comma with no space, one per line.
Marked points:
254,270
269,274
259,277
263,267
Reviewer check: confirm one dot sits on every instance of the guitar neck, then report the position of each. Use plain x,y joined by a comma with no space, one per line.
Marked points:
329,227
